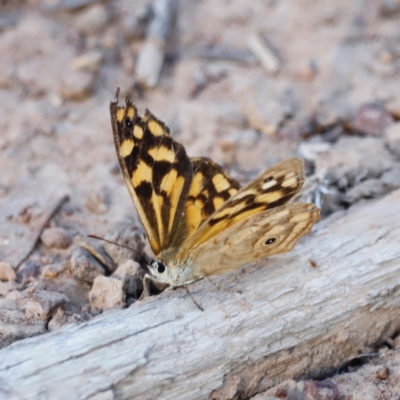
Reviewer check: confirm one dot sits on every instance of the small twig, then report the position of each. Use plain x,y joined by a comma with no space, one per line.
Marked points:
151,56
263,53
221,53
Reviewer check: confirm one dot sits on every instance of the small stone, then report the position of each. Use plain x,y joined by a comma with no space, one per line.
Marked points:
14,325
97,250
332,112
98,202
311,151
386,56
389,8
92,20
316,390
382,69
309,71
107,293
84,266
132,274
383,373
58,320
90,61
44,304
393,106
392,137
265,117
18,297
76,85
56,238
7,272
7,287
28,271
372,119
134,26
51,271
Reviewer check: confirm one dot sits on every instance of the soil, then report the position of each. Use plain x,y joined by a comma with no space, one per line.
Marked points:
330,96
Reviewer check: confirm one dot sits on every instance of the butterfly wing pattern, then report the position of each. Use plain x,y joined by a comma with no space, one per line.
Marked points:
197,219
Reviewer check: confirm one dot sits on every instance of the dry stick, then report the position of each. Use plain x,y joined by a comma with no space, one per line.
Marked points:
217,53
46,219
151,56
263,53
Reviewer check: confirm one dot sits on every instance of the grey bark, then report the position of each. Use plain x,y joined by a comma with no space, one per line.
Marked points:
292,320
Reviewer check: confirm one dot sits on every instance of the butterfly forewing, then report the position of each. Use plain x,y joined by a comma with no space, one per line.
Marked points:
211,187
157,172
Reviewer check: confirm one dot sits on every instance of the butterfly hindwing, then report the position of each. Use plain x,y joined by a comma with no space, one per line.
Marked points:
260,235
157,172
274,188
211,187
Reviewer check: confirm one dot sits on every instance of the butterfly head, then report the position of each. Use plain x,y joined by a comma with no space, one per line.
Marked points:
170,274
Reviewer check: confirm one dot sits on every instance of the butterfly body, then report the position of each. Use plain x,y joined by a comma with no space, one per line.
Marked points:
198,220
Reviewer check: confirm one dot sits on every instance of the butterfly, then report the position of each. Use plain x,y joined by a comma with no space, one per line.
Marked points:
198,220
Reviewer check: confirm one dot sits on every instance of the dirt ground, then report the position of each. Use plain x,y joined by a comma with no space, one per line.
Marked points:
329,93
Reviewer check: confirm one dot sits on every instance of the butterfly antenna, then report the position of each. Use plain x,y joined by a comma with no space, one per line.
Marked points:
109,241
194,301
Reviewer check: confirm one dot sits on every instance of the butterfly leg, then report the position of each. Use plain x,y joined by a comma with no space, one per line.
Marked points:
194,301
222,288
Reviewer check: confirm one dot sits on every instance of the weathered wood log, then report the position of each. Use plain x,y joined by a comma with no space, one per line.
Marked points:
292,320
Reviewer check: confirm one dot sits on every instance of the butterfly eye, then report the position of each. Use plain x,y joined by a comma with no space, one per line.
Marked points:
128,122
160,268
269,241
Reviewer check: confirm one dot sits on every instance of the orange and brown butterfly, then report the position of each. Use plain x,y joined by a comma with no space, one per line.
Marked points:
198,220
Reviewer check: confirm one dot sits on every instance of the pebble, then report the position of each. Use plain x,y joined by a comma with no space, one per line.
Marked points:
84,266
98,202
28,270
44,304
389,8
90,61
309,70
332,112
7,272
92,20
131,273
75,85
51,271
265,117
7,287
372,119
58,320
56,238
134,26
392,137
383,373
393,106
107,293
97,250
